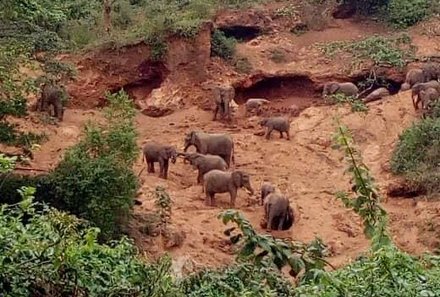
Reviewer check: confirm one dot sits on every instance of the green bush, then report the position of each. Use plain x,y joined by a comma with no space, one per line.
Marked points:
405,13
222,46
95,180
417,154
50,253
11,136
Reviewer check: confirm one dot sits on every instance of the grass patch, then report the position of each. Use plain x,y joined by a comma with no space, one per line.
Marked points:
11,136
394,51
242,65
222,46
357,105
277,56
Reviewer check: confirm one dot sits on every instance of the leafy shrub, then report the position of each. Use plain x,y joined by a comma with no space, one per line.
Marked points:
394,51
95,180
242,64
222,46
417,156
51,253
10,136
357,105
405,13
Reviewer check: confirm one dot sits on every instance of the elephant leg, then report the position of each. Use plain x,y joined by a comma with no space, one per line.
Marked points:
199,177
215,112
161,168
288,135
281,222
233,193
281,134
165,169
270,220
269,131
150,167
59,110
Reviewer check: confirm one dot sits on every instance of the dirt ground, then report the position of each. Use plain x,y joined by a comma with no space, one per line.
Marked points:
306,168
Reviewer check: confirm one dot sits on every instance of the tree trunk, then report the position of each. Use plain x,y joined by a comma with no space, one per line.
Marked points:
107,15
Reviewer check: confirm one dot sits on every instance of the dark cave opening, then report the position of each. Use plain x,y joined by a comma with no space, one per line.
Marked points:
294,89
244,33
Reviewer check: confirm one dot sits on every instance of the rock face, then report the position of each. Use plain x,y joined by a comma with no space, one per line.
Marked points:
132,69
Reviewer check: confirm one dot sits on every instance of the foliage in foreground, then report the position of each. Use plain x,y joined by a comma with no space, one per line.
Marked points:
357,105
417,154
95,180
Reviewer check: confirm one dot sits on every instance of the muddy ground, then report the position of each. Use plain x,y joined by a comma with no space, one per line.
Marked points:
306,167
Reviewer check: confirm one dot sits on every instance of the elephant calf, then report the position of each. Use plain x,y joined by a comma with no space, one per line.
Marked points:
51,97
204,163
346,88
376,95
217,181
266,189
154,152
278,212
428,97
254,104
279,124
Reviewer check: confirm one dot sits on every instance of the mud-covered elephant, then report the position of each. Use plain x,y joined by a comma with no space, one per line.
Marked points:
280,124
51,96
417,88
223,95
278,212
345,88
154,152
217,181
377,95
254,104
204,163
211,143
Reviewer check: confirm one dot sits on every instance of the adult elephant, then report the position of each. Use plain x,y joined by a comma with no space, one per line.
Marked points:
223,96
211,143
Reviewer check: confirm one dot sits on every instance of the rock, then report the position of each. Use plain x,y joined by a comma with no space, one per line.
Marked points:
157,111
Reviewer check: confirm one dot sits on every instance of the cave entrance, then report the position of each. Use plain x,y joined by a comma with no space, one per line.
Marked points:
367,84
244,33
284,91
150,76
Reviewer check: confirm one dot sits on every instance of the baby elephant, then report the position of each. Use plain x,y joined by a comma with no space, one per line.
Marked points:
279,124
255,104
51,96
217,181
154,152
266,189
347,88
204,163
413,76
428,97
376,95
278,212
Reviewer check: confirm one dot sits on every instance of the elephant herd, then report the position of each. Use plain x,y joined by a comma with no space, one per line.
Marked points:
214,159
423,82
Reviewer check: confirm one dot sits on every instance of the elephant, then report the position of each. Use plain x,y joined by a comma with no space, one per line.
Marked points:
278,212
346,88
413,76
376,95
223,95
154,152
266,189
211,143
279,124
204,163
428,96
415,91
51,95
217,181
255,104
431,71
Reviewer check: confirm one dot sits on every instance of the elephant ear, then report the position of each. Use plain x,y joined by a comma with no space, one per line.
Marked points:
237,178
333,88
